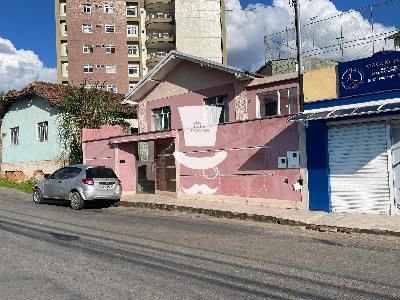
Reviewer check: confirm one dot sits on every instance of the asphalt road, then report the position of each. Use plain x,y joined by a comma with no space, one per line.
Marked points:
53,252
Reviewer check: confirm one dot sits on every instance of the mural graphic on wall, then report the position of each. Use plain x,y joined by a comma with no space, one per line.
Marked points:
200,125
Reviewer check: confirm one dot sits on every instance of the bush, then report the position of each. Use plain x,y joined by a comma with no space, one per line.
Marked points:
26,186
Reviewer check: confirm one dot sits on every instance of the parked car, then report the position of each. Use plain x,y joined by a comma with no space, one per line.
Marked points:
79,184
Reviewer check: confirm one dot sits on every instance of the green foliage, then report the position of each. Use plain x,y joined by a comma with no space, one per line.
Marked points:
26,186
85,108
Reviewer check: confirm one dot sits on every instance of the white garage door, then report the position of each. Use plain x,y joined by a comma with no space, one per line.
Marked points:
358,168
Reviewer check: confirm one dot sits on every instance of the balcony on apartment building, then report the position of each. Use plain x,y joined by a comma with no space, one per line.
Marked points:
153,57
159,21
160,40
159,5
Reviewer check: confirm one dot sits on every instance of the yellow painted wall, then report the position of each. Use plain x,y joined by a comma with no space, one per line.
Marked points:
320,84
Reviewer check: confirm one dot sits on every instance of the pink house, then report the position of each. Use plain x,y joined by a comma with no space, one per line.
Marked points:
208,130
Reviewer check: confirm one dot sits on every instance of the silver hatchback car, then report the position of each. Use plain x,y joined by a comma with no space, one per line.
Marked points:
79,183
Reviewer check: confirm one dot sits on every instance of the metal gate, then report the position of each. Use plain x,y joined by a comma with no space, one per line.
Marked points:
358,166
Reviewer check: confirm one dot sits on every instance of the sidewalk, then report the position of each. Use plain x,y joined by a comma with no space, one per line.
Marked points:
341,222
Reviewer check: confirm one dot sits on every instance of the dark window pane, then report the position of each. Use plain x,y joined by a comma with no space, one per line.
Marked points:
339,112
59,174
100,173
300,117
319,115
361,110
268,104
270,108
390,106
72,172
220,101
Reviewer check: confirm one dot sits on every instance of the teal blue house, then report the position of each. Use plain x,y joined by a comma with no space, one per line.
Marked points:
30,142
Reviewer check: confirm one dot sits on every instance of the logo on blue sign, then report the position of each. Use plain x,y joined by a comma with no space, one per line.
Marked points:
352,78
380,72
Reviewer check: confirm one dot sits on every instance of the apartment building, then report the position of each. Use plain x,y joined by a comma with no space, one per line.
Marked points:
117,42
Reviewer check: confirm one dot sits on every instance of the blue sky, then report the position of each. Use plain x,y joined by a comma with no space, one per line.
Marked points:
33,26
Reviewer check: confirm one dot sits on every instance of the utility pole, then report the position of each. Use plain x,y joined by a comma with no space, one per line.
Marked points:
296,4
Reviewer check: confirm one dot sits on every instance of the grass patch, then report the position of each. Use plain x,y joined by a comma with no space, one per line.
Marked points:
26,186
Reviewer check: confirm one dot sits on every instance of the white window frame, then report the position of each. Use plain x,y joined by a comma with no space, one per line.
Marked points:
14,136
87,28
111,69
131,86
161,116
109,49
109,26
108,8
88,49
87,8
112,88
87,68
133,47
131,67
130,8
131,27
42,131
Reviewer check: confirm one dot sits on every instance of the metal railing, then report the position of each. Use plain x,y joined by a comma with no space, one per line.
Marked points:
159,35
351,35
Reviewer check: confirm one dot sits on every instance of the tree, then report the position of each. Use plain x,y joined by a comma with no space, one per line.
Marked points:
85,108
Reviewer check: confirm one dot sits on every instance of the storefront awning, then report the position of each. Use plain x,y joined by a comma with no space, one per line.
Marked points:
369,108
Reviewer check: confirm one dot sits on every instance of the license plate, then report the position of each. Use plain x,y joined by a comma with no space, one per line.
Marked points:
107,187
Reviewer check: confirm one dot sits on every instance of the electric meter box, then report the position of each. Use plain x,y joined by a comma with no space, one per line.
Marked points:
293,159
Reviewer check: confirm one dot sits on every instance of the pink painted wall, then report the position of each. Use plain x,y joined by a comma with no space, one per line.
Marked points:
126,166
249,172
105,131
98,150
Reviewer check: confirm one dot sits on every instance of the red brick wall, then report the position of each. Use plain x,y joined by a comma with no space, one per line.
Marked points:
76,40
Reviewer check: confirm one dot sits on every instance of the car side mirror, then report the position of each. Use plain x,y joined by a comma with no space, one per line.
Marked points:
47,176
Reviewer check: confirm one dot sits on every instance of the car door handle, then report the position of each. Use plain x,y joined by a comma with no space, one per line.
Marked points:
59,181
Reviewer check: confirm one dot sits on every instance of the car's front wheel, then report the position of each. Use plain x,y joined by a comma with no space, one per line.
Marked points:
76,201
37,197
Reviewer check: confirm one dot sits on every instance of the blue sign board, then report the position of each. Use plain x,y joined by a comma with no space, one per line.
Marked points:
380,72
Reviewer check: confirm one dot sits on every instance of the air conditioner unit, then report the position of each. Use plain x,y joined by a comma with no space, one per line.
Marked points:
99,25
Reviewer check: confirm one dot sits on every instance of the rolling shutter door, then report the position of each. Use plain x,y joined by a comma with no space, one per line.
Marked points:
358,168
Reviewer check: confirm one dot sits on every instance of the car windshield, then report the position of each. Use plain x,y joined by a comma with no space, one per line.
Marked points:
100,173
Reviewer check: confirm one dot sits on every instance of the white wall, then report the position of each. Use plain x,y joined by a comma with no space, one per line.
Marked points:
198,28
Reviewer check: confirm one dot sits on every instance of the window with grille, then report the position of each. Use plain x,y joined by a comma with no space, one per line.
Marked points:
131,10
108,8
132,30
112,88
87,48
219,101
42,131
133,70
88,69
110,49
133,50
109,28
162,118
87,28
14,136
87,8
278,102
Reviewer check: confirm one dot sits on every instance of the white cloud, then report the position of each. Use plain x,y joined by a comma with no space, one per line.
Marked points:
247,26
20,67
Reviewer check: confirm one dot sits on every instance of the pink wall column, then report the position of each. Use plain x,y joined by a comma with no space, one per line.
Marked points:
126,166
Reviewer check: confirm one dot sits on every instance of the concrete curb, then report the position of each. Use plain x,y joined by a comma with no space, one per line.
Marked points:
257,218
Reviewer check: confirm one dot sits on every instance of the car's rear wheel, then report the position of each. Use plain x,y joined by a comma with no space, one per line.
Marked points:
76,201
37,197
